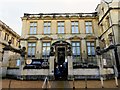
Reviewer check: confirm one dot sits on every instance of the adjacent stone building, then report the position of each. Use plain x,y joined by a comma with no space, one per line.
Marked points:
6,34
109,25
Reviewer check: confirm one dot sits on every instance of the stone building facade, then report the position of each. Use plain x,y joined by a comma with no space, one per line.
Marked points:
83,31
39,31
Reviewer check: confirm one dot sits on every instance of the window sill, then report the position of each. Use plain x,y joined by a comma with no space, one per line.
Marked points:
32,34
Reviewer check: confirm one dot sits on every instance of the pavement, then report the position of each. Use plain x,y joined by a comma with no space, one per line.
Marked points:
10,83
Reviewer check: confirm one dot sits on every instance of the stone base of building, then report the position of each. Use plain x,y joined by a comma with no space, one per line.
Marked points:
70,77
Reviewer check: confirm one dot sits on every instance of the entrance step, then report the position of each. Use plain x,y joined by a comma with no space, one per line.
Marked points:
60,84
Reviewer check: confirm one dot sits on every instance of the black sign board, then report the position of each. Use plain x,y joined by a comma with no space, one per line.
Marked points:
38,64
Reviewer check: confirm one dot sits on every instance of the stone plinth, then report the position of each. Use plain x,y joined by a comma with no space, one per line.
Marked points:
70,67
51,65
5,62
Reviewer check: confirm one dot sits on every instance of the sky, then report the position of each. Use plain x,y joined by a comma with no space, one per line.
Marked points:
11,11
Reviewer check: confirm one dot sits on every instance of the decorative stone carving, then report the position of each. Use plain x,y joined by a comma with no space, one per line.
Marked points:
69,51
52,53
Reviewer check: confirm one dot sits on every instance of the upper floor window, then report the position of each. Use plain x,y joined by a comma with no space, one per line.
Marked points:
47,26
0,33
88,25
74,25
18,62
31,49
90,48
12,40
33,27
46,49
60,27
76,50
6,37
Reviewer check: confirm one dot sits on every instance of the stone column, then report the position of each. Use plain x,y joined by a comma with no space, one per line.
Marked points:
22,72
5,62
115,66
51,66
38,49
70,67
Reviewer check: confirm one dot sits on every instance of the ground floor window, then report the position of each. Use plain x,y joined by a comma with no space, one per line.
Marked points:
31,49
76,50
91,48
45,50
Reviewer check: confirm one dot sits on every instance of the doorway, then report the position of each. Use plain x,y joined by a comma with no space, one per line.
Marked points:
61,66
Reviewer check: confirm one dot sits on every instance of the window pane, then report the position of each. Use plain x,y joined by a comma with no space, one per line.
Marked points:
76,29
62,29
72,23
48,44
78,50
48,30
73,44
90,29
92,44
44,44
59,30
33,44
29,51
46,49
77,44
88,44
73,50
93,51
45,24
76,23
59,24
18,63
49,23
87,29
62,23
89,51
33,51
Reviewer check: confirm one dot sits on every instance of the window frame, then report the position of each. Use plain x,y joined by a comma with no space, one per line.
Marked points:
12,40
74,27
91,55
46,56
89,26
6,36
61,26
0,33
76,56
33,27
47,26
31,49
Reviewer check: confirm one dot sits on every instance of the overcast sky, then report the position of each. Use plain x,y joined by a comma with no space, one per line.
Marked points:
12,10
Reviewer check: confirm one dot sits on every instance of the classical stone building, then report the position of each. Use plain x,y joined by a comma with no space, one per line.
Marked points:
70,42
6,34
83,31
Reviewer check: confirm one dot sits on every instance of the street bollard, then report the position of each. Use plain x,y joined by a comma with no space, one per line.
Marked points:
102,84
85,82
73,83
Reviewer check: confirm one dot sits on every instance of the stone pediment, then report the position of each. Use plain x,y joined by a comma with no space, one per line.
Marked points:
75,38
47,17
32,38
74,17
46,38
60,17
90,37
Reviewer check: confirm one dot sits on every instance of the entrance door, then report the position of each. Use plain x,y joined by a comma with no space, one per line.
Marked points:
61,55
61,66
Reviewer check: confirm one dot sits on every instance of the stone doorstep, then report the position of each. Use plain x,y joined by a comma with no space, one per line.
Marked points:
70,77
